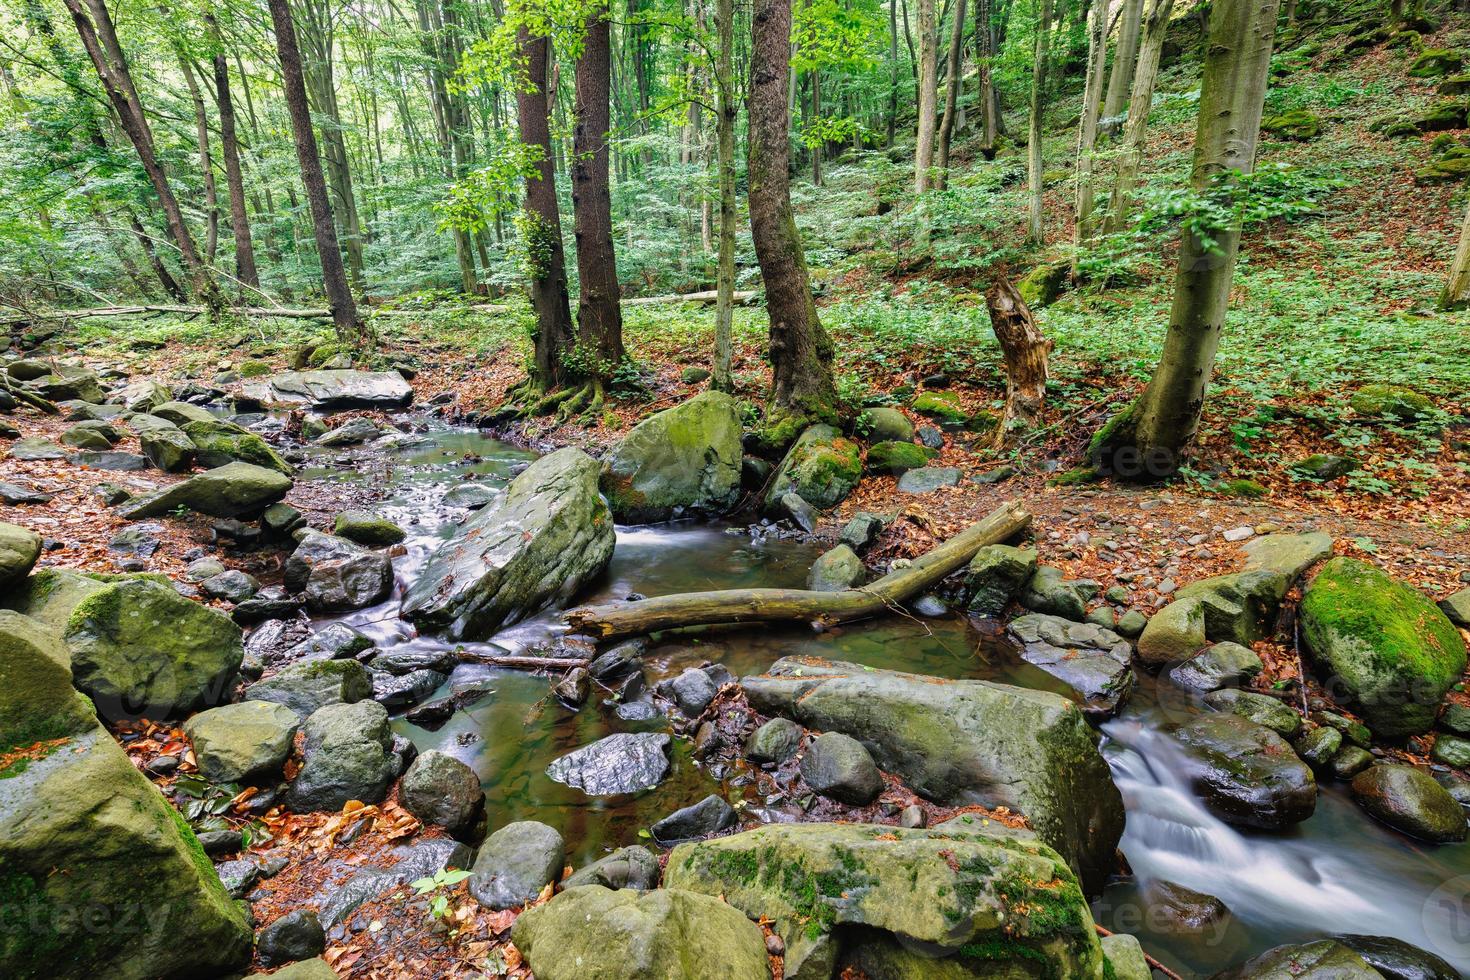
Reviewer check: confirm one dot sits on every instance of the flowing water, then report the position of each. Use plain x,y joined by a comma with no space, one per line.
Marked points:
1338,872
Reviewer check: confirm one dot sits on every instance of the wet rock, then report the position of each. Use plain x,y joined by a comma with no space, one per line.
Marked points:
618,662
413,861
1349,761
216,842
1262,709
515,863
337,574
774,742
35,448
217,443
278,521
836,570
470,496
621,763
1047,591
1457,607
821,467
1318,747
19,549
294,936
1241,607
346,757
238,877
440,790
838,766
235,742
930,606
1451,750
692,691
397,691
573,689
710,815
627,867
816,882
1175,632
1386,645
1325,959
1353,731
232,585
995,576
672,935
1247,774
235,490
963,742
1221,665
863,531
1125,956
928,479
308,686
549,534
407,659
1093,660
335,389
1410,801
679,462
17,495
1397,960
367,529
1187,909
349,433
795,508
267,604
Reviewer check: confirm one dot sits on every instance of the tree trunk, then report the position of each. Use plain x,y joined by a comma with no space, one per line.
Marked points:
334,275
541,224
892,72
722,379
449,120
951,91
1147,442
984,56
801,352
245,270
1025,351
206,163
1135,135
1125,56
1034,162
599,317
928,94
1457,290
1097,48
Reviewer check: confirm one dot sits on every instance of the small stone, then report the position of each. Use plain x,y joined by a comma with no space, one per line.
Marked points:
838,766
573,689
1238,533
692,691
1319,747
293,937
709,816
912,816
773,742
1452,751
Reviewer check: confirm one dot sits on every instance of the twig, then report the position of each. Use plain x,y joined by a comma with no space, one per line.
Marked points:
1153,963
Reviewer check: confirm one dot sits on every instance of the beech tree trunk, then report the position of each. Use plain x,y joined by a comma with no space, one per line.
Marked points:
800,350
599,317
541,224
1147,441
1135,134
334,275
928,94
1125,56
1034,161
892,72
984,56
206,162
1097,50
955,67
1457,290
1025,352
722,378
245,270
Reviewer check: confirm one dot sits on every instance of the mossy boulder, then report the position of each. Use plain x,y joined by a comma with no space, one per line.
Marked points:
683,461
237,741
835,570
962,742
1299,124
1390,401
182,413
1381,643
138,648
888,425
941,406
347,755
168,448
1410,801
1246,773
996,575
19,549
367,529
1455,85
822,468
1434,62
594,933
1007,905
1443,115
1447,170
235,490
1043,284
38,701
218,443
897,457
1326,959
306,686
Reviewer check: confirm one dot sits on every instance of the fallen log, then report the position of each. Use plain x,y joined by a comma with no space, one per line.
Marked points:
706,297
733,606
523,662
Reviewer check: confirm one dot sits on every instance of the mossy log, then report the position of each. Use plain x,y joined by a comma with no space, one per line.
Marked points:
734,606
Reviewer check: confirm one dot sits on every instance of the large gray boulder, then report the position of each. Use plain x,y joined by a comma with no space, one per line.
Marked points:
237,741
550,534
683,461
438,789
962,742
515,863
1092,659
308,685
335,389
219,442
627,762
233,490
19,549
944,891
593,933
348,756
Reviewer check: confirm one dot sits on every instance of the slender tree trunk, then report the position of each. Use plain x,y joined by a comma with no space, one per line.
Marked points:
1034,161
928,94
245,270
1097,48
985,53
541,225
206,163
951,91
1457,290
892,71
449,119
599,313
722,379
1125,56
334,275
1147,441
816,150
801,352
1025,351
1135,134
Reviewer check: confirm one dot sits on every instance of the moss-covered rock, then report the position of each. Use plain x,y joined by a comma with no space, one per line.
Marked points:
887,425
835,570
168,448
1447,170
1381,643
238,741
897,457
1410,801
38,701
822,468
1326,959
218,443
367,529
683,461
941,406
1043,284
996,575
1009,905
1443,115
19,549
1434,62
1396,125
235,490
1299,124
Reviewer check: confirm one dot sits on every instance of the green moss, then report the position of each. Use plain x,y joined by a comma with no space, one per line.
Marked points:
942,406
1433,62
254,369
1299,124
1075,477
1386,400
1242,488
896,457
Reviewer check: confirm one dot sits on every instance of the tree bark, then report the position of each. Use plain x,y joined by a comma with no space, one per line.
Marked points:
1135,134
743,606
1457,290
1147,442
892,72
245,270
1097,49
599,317
955,68
800,350
928,94
541,225
1025,352
206,162
984,55
1034,161
334,275
722,378
1125,56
